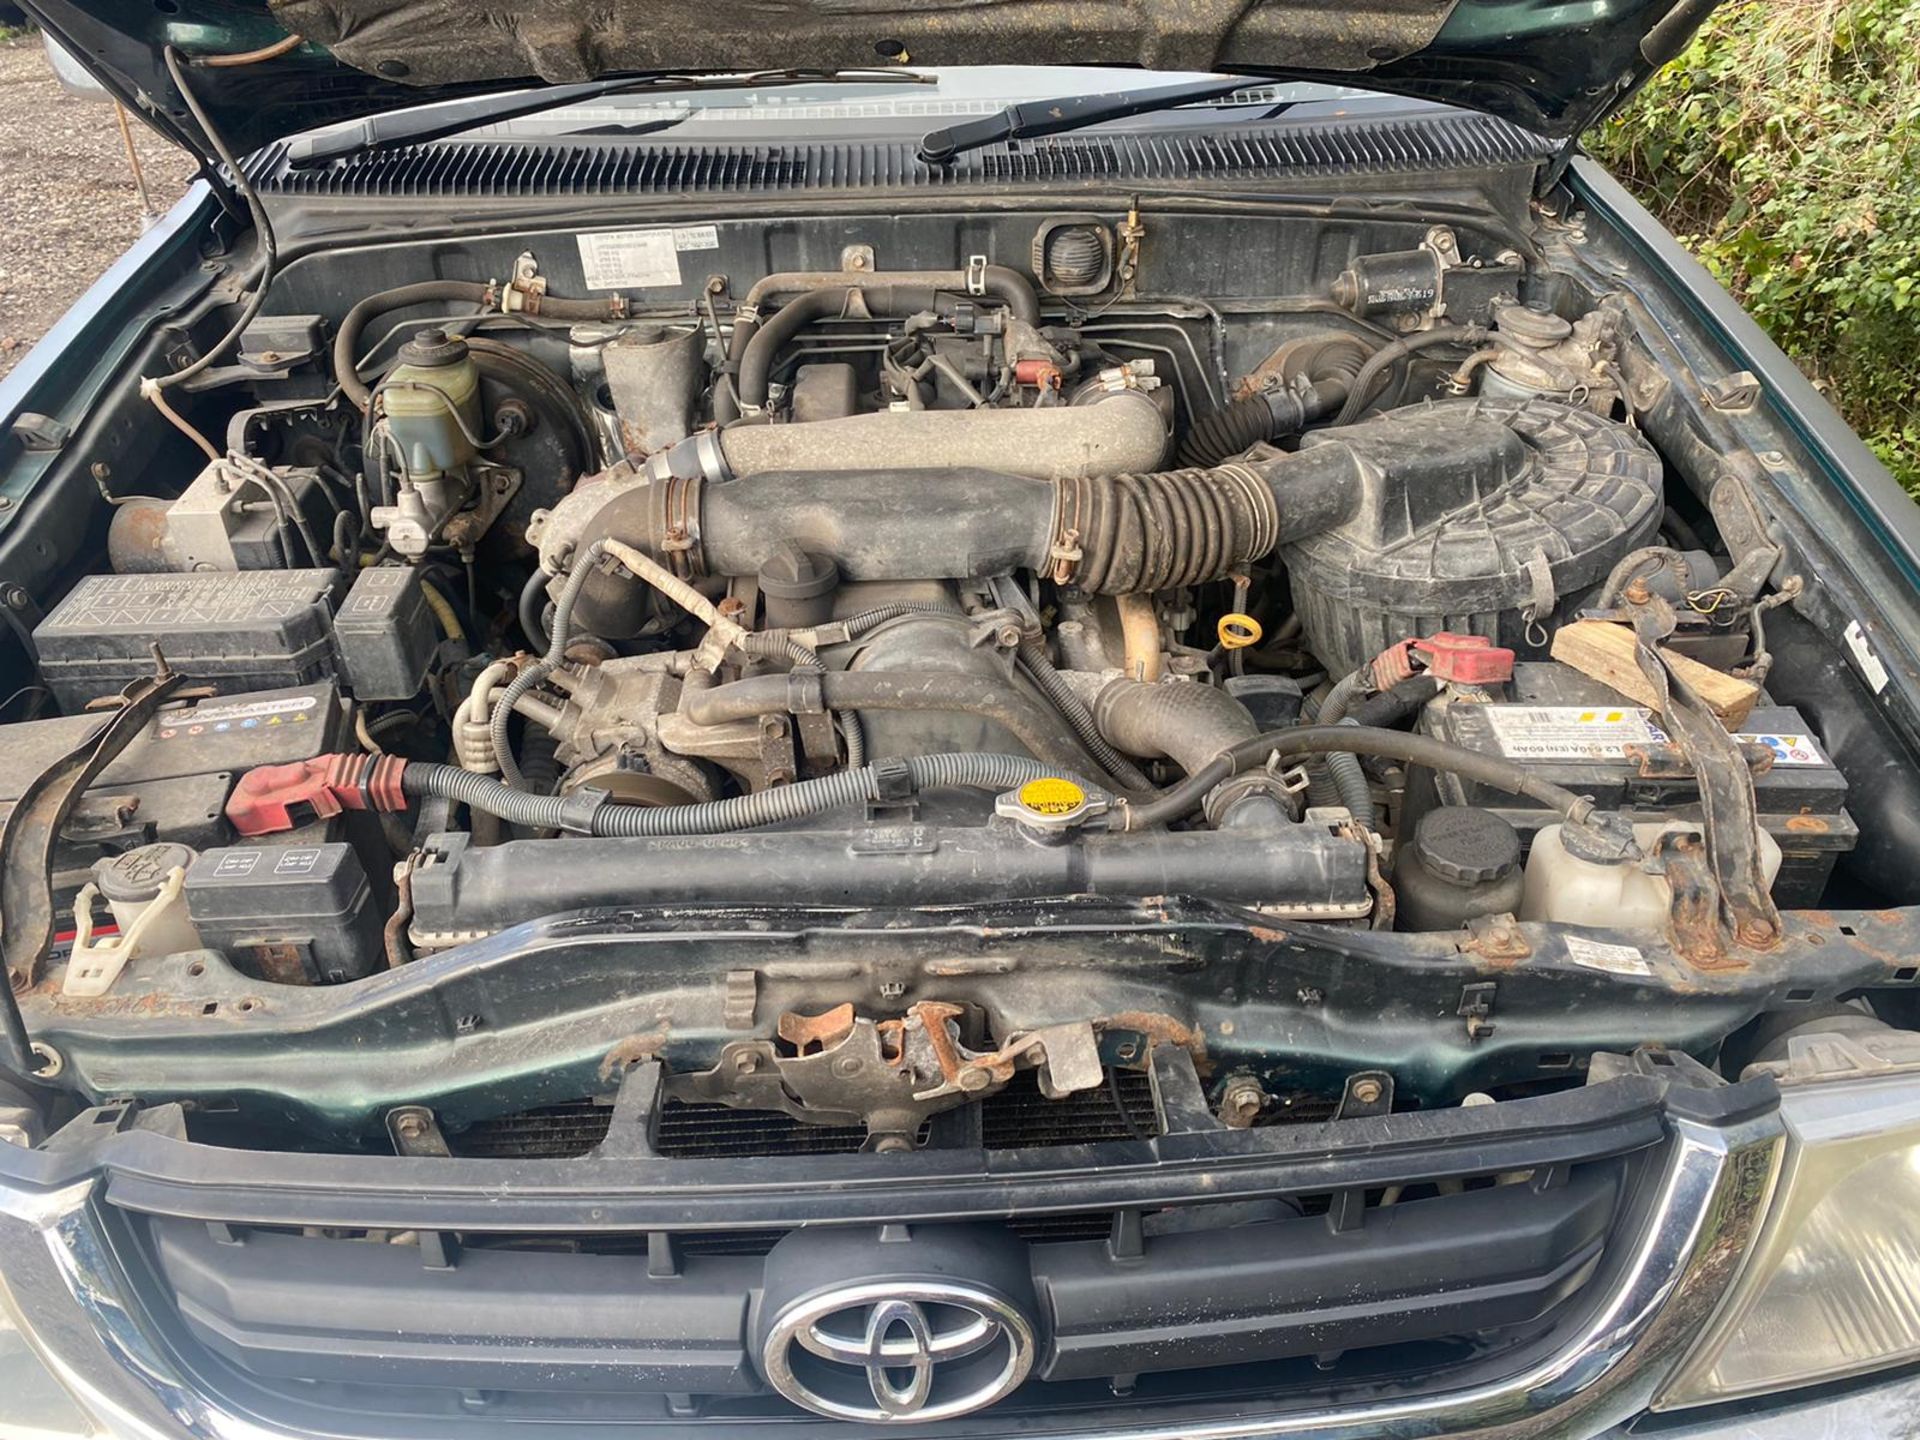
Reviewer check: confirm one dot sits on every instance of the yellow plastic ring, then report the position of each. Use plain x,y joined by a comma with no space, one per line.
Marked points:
1238,631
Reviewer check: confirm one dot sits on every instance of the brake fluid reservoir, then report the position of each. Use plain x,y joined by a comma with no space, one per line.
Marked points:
432,403
1592,875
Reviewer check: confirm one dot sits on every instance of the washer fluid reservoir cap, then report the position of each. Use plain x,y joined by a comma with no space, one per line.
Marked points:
1466,846
135,878
1604,839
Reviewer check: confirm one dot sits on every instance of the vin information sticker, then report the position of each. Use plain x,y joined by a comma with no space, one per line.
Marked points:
640,259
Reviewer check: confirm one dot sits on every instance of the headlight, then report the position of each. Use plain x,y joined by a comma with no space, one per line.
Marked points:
1832,1288
33,1406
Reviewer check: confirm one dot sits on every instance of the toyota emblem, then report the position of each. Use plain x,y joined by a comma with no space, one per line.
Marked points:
887,1353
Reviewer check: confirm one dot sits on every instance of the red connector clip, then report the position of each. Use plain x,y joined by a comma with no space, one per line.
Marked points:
1041,374
262,803
1447,657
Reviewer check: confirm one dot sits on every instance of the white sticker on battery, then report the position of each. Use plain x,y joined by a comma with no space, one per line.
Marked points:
630,259
1787,749
1614,959
1570,732
1870,666
254,709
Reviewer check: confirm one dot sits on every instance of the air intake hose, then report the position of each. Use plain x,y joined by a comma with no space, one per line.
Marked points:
1112,534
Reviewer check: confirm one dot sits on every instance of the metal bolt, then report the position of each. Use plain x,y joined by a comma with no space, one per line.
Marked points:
1242,1101
411,1126
892,1145
1367,1092
974,1079
847,1066
716,284
745,1061
101,470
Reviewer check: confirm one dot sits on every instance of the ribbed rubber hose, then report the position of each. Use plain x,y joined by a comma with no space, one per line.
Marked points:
531,675
1063,697
741,812
1171,529
1234,429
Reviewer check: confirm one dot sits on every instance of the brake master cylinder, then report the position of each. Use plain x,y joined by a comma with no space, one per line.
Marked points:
431,408
432,405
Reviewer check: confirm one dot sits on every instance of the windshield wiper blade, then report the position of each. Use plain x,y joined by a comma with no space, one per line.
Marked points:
382,132
1072,112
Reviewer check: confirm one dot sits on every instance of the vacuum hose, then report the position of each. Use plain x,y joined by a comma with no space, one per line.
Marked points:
346,343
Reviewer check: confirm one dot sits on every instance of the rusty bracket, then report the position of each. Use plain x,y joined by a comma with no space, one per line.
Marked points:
892,1075
27,841
1497,937
1730,814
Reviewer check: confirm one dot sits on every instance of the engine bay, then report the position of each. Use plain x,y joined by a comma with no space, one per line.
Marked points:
1385,591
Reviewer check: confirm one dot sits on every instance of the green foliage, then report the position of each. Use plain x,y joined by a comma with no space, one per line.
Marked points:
1783,148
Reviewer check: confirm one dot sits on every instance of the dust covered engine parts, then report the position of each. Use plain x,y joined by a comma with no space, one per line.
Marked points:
891,706
1477,516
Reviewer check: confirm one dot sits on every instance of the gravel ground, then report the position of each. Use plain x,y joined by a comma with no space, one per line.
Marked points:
68,204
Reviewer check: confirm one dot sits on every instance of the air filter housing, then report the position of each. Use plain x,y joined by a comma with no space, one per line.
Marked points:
1486,517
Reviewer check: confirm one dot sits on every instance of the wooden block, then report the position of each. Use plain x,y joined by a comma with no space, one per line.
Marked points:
1605,651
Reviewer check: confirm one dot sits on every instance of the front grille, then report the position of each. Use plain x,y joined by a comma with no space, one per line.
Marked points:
582,166
1216,1268
656,1326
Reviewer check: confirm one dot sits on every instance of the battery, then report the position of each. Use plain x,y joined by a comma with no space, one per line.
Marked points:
292,914
1572,731
250,630
172,781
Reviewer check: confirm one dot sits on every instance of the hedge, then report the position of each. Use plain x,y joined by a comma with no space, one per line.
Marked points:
1783,147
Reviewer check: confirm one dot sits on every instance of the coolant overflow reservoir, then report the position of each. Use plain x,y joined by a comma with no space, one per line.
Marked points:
1598,875
432,403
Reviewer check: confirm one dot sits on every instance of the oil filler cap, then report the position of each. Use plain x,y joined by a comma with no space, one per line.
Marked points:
1049,804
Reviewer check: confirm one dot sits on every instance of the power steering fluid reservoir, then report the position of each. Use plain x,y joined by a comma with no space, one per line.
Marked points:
432,403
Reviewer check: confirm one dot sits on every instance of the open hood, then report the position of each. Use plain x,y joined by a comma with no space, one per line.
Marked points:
1553,67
